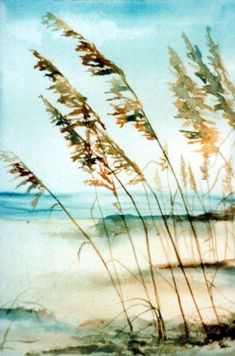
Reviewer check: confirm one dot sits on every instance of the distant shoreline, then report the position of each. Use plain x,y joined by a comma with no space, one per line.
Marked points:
18,206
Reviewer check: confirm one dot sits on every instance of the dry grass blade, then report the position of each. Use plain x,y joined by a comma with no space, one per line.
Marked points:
204,168
20,171
92,155
192,181
183,171
99,183
158,181
163,163
217,63
82,152
81,112
91,57
115,156
212,82
127,107
192,108
228,180
83,115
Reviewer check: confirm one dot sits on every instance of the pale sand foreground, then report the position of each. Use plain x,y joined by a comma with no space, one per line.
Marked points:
39,269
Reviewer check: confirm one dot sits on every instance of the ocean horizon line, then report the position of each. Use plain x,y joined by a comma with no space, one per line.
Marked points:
17,205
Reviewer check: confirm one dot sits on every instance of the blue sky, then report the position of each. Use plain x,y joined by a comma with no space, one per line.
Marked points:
135,35
126,9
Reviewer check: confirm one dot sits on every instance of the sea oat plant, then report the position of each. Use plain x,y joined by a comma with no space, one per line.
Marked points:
109,167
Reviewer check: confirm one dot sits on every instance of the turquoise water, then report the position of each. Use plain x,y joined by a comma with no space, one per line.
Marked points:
18,206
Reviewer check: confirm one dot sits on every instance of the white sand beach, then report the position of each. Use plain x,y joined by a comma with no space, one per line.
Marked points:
40,269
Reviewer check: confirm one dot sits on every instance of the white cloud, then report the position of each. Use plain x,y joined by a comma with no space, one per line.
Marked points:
25,30
98,29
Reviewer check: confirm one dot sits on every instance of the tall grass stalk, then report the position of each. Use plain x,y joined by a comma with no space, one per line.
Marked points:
186,328
96,128
12,158
119,284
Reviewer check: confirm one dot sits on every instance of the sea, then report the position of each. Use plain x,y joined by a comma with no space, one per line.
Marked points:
83,205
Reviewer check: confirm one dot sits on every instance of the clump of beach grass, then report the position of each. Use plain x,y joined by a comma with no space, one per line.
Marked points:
109,167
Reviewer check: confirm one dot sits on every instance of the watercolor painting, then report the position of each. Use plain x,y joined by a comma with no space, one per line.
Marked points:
117,231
